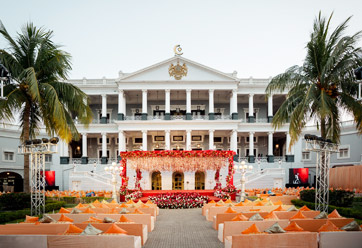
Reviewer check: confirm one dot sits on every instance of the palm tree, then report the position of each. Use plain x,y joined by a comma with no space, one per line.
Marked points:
37,91
324,86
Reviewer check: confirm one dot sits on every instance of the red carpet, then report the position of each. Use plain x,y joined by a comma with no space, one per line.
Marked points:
147,193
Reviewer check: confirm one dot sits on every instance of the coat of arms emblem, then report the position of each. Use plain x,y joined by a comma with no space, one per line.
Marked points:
177,71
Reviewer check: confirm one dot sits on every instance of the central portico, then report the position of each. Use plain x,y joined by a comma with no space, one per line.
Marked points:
179,104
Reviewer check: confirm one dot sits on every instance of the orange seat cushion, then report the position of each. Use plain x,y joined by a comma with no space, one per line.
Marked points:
293,227
329,227
31,219
253,229
114,229
230,211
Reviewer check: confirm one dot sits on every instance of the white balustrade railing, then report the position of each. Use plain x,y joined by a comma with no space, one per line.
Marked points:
178,117
200,117
97,176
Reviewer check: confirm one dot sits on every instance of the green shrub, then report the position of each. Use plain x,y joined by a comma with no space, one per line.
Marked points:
339,198
14,201
20,214
345,212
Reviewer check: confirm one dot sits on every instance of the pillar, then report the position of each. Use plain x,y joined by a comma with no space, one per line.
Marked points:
104,109
211,139
167,140
188,104
84,149
234,103
211,105
270,148
251,148
144,140
121,114
289,157
144,104
270,108
234,141
167,104
188,140
121,143
251,108
104,158
64,155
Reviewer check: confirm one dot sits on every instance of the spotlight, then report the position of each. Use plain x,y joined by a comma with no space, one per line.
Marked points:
54,140
45,140
28,142
37,141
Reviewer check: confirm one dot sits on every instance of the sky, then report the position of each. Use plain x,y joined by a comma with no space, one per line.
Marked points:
255,38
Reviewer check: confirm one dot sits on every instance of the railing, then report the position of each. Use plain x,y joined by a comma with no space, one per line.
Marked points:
78,161
133,118
85,81
200,117
222,117
178,117
155,117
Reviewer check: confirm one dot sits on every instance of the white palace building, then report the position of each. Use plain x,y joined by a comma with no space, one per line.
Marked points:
177,104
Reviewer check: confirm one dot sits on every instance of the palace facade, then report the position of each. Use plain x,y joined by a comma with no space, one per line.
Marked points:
177,104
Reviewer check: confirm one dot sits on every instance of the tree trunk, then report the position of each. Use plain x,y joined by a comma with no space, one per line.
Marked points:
26,135
323,128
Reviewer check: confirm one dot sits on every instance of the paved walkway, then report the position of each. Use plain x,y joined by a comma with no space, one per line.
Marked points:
182,228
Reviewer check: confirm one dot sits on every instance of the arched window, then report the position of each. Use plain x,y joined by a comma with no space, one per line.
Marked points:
156,180
178,181
199,180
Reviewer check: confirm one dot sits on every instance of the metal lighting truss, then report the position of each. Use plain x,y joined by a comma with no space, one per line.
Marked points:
323,148
37,149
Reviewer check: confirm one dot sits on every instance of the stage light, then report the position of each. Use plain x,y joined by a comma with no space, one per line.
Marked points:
36,141
45,140
54,140
28,142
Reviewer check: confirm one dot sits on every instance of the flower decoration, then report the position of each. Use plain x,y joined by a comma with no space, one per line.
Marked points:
179,200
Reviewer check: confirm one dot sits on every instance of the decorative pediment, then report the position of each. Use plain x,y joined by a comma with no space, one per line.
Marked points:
178,69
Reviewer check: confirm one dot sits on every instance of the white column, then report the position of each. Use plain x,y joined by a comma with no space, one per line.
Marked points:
188,140
104,144
287,143
144,140
104,105
211,139
211,101
66,149
167,101
120,101
270,105
270,143
251,144
167,140
124,105
144,101
251,104
234,140
188,101
84,145
121,142
231,104
235,101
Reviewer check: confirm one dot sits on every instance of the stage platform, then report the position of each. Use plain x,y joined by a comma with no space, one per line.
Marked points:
148,193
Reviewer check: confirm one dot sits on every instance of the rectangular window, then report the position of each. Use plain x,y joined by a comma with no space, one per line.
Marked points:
343,152
137,141
48,158
305,156
100,141
218,140
247,138
9,156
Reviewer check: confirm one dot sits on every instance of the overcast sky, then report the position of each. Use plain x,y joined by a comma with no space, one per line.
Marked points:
255,38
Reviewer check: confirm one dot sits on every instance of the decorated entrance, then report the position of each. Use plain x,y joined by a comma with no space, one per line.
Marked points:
177,181
156,180
199,180
176,163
